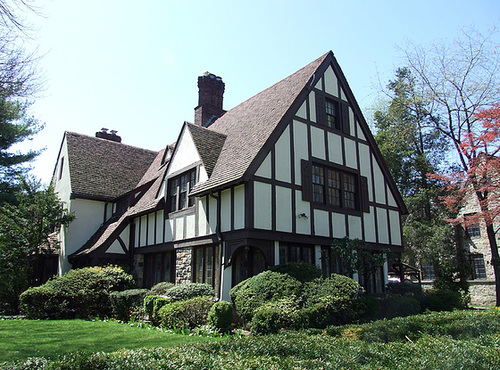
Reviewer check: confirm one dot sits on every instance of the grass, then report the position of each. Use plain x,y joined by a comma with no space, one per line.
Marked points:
20,339
447,340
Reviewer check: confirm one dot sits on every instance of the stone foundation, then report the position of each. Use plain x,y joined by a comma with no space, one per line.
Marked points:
183,258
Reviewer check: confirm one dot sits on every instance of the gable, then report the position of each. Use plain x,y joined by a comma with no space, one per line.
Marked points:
306,134
185,155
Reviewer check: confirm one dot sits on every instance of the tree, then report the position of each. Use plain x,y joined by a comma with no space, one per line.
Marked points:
480,183
412,148
18,84
458,80
25,229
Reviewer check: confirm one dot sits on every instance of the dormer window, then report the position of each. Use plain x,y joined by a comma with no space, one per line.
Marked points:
179,188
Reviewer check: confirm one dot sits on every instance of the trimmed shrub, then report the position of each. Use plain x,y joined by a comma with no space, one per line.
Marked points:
441,300
273,316
123,303
80,293
404,288
268,286
161,288
457,324
152,305
43,302
221,316
182,292
301,271
398,306
185,314
336,287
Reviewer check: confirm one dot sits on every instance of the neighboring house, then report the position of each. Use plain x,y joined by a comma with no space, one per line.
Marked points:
275,179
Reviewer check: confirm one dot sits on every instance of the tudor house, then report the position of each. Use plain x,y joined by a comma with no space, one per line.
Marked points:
273,180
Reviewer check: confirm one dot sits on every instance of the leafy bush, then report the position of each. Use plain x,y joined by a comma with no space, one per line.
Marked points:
301,271
398,306
185,314
275,315
336,286
221,316
123,303
404,288
182,292
81,293
161,288
441,300
152,305
262,288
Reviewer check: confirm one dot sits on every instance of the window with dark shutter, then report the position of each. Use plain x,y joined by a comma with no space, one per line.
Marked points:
363,184
346,127
306,181
332,187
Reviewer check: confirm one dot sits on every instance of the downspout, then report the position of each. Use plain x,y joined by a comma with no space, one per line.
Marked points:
219,236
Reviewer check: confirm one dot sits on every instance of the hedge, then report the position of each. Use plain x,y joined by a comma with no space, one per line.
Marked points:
185,314
124,302
80,293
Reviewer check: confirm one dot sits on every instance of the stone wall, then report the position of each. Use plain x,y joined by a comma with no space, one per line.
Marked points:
183,258
482,293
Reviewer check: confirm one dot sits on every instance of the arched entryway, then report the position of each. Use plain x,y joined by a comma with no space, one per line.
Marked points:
247,261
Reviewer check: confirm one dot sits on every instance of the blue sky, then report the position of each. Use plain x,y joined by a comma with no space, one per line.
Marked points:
133,66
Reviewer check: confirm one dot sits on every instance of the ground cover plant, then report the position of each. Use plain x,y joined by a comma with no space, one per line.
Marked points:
20,339
301,350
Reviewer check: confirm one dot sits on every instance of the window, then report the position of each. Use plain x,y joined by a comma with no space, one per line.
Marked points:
296,253
331,263
61,167
179,188
339,190
158,267
473,231
332,112
207,265
427,268
477,262
332,116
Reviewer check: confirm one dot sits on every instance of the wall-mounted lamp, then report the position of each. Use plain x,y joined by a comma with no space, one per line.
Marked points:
302,215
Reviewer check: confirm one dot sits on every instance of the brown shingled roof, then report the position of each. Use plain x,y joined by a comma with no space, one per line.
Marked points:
208,143
249,125
147,202
104,169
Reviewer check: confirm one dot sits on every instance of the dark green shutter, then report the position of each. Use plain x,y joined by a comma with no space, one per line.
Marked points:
346,127
306,180
364,194
320,108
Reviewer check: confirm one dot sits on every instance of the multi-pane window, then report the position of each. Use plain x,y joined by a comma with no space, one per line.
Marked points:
333,187
473,231
349,191
428,272
331,263
179,188
296,253
207,265
339,189
158,267
479,270
331,110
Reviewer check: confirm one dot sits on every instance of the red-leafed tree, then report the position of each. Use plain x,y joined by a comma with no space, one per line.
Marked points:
478,182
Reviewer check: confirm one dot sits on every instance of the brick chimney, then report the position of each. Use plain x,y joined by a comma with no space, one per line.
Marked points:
210,97
111,135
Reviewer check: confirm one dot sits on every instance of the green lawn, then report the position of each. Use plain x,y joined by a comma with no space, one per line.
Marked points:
20,339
